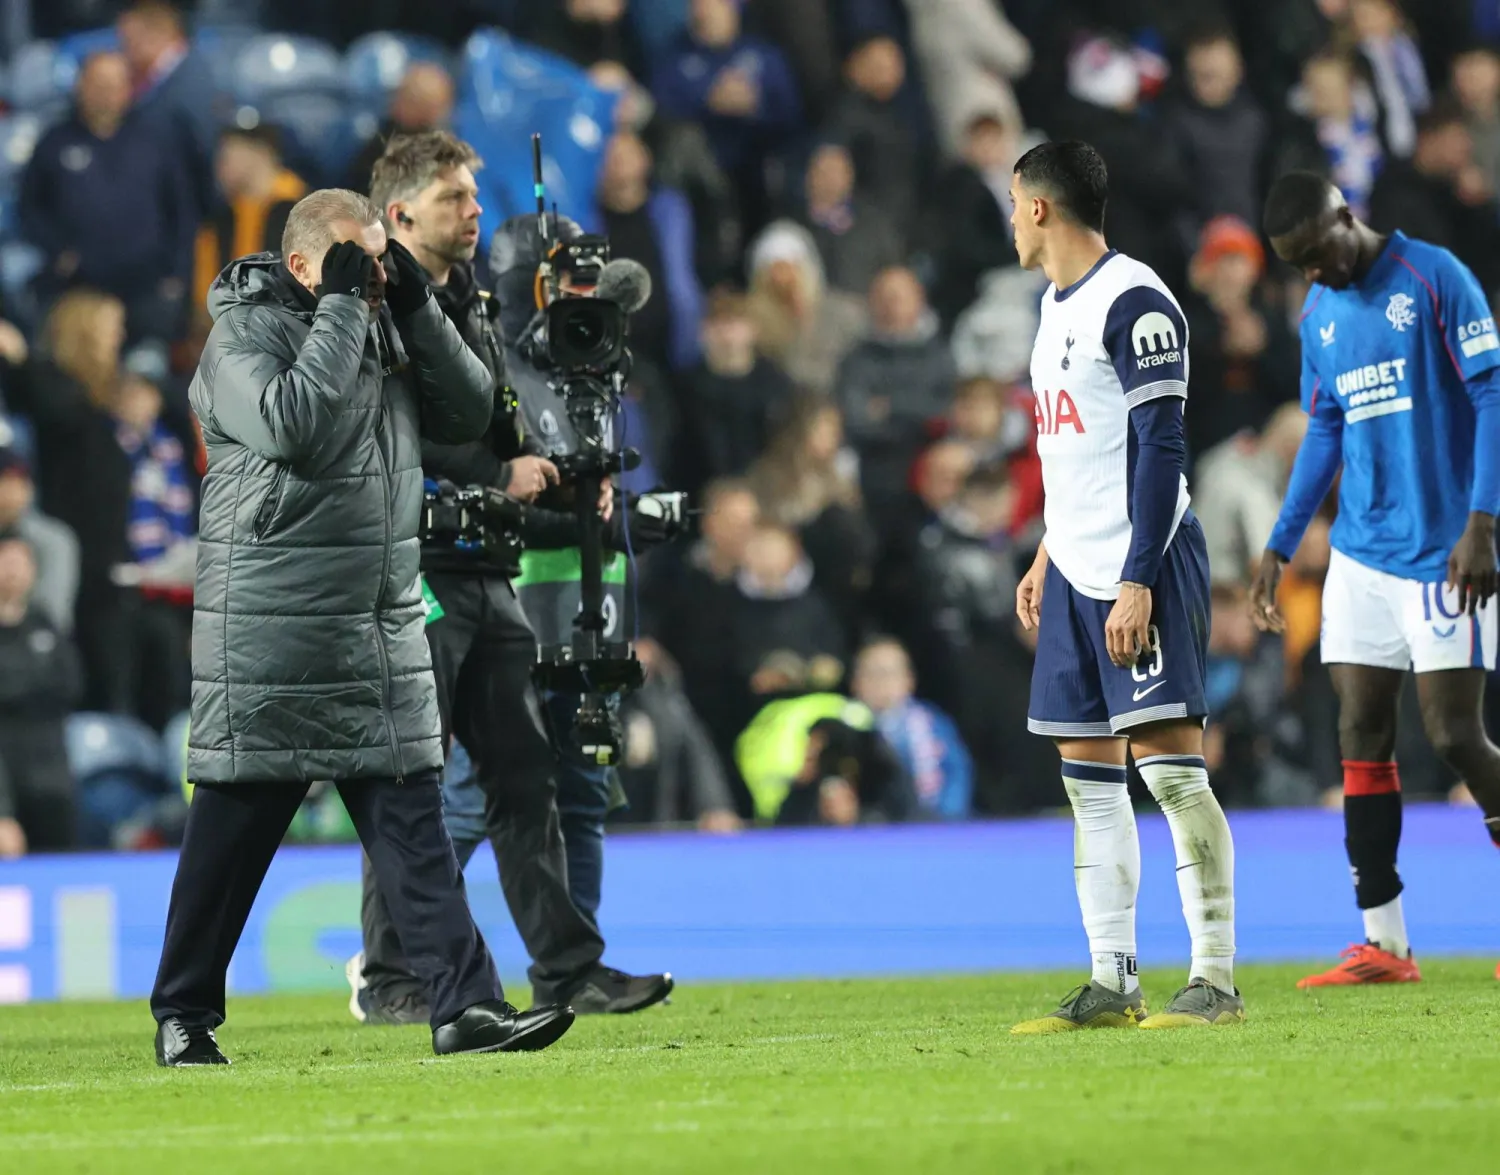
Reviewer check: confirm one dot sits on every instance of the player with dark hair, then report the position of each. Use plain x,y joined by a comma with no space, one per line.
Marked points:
1401,381
1120,592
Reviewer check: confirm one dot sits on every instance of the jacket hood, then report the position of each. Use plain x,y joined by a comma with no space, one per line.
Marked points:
515,253
259,279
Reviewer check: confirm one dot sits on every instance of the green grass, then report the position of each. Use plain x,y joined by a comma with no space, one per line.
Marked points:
824,1078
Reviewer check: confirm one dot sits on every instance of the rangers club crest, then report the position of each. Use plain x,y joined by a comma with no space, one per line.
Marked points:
1400,311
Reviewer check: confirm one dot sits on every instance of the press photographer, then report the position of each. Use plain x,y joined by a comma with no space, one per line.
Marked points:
563,308
482,647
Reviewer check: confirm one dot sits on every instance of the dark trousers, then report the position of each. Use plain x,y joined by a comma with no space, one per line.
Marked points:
482,653
233,832
583,798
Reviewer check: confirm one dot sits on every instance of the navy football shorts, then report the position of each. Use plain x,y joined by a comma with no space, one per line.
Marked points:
1077,692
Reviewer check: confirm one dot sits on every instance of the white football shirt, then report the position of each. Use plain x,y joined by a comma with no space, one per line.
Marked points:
1113,340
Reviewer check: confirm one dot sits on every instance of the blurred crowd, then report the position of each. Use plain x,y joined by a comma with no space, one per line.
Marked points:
835,362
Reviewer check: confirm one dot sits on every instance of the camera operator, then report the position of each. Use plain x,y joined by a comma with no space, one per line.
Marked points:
482,647
585,789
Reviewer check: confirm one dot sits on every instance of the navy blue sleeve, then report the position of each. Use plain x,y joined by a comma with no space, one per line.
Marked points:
1161,450
1146,338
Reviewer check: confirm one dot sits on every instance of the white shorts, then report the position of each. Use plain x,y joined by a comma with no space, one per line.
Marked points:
1372,618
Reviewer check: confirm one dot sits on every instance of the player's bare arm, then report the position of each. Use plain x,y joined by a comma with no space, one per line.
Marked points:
1471,566
1263,607
1029,591
1126,630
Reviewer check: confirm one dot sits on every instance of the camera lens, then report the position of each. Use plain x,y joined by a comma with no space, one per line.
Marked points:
584,332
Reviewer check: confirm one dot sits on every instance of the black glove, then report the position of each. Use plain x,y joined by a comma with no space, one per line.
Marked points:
347,269
646,530
406,283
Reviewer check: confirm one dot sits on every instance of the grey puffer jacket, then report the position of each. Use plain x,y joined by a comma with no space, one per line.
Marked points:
309,657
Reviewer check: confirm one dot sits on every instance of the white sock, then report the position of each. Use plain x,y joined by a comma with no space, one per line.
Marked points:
1385,926
1106,868
1205,860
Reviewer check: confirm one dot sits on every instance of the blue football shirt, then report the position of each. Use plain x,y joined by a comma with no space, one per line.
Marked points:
1386,365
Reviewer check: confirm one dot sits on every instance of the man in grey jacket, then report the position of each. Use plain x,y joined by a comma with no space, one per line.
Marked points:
321,376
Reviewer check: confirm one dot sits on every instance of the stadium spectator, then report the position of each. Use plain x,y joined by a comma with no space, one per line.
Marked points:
54,548
894,383
986,418
873,122
653,225
1221,133
965,587
174,89
107,201
686,591
733,398
39,684
925,738
671,773
969,215
802,326
1395,64
1237,490
739,87
684,161
809,35
257,192
855,238
1441,196
1338,136
162,525
83,476
1244,358
586,32
784,637
1476,86
806,482
968,55
937,476
818,759
423,101
1103,107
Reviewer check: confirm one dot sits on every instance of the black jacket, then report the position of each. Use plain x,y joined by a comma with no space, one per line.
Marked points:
485,462
83,476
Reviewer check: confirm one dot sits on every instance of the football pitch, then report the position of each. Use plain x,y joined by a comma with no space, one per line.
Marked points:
821,1077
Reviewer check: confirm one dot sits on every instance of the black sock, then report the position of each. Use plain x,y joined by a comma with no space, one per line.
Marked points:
1372,830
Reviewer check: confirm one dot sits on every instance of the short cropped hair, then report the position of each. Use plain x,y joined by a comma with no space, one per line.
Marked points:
1295,199
412,162
309,225
1072,175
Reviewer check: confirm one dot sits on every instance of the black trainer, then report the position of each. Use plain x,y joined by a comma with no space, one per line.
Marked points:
496,1027
607,991
178,1046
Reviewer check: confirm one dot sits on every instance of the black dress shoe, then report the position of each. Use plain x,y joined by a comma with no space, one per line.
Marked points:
496,1027
177,1045
605,990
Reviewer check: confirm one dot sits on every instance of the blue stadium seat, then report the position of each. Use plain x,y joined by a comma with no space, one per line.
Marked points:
35,81
18,139
221,46
376,62
272,64
110,744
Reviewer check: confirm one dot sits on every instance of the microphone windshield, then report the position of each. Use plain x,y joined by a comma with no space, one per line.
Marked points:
626,283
